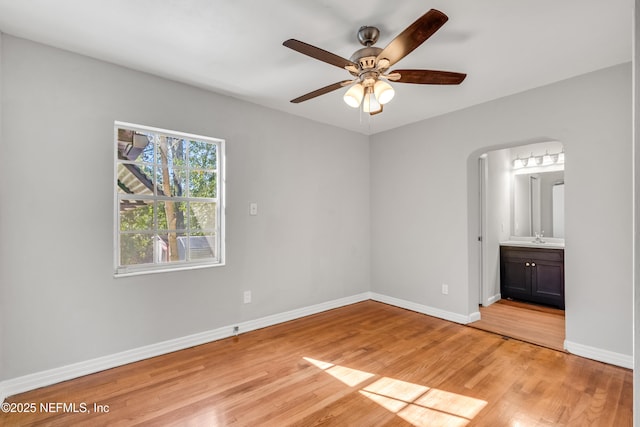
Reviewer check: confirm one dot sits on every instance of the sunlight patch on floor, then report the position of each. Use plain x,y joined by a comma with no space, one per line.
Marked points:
351,377
401,390
417,404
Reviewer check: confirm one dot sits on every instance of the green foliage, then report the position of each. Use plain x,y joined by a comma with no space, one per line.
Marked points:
139,218
136,249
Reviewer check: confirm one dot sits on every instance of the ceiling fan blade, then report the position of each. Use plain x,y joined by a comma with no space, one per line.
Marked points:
321,91
413,36
429,77
319,54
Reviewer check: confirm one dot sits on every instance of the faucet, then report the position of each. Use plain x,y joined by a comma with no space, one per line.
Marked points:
539,237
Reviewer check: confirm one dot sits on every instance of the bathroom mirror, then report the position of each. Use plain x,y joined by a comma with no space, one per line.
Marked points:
538,204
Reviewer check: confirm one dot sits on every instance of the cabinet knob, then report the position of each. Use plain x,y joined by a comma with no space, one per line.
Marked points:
533,264
527,264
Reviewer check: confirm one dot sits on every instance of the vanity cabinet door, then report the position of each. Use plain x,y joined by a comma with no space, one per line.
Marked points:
547,282
515,276
532,274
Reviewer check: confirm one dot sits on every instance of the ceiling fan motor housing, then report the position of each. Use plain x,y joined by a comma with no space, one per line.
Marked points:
368,36
366,57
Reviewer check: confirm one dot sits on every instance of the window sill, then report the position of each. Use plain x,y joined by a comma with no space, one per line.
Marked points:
118,275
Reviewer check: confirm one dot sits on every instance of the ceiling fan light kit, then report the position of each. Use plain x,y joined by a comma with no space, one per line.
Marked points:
369,66
370,104
384,92
353,96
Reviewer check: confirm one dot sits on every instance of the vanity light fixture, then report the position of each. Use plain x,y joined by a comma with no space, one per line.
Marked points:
537,160
543,160
520,163
561,157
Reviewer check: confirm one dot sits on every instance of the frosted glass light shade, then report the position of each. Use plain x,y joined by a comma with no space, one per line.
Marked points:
561,157
353,96
383,91
371,104
517,163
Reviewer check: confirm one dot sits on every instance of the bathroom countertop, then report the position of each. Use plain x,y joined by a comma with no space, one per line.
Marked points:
529,243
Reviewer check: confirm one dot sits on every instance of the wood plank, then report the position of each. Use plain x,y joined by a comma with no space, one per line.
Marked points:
527,322
365,364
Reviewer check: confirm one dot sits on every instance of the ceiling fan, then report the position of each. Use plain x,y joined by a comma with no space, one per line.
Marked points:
369,65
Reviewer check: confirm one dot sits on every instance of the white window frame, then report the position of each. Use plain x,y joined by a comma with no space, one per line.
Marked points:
156,266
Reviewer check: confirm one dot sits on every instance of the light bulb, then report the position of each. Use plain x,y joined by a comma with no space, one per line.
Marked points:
383,91
353,96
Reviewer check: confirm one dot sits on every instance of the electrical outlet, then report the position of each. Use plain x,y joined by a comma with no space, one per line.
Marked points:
247,297
445,289
253,209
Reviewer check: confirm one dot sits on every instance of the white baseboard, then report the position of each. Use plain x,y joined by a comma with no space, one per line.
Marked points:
474,317
425,309
606,356
75,370
494,299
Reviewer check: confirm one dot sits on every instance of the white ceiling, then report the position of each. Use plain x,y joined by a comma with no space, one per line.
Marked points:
235,47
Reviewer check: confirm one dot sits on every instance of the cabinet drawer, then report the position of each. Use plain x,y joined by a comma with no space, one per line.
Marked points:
542,254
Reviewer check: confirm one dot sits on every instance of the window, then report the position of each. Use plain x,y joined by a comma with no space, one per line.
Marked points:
169,200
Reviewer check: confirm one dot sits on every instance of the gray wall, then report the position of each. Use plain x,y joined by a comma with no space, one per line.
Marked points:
424,208
308,245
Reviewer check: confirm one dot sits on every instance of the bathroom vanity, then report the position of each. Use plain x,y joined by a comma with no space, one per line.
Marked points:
532,272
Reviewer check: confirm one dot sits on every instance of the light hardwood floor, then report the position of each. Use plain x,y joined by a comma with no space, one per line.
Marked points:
368,364
527,322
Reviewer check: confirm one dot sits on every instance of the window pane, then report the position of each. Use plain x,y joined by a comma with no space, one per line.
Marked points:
175,211
203,184
136,249
135,146
147,154
202,216
203,155
172,151
136,215
202,246
135,178
172,247
175,178
171,175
